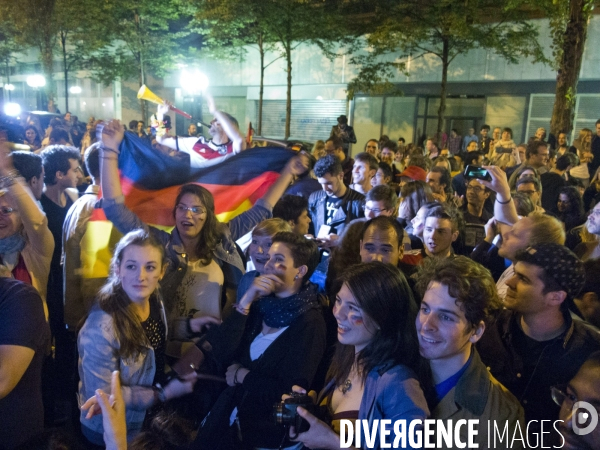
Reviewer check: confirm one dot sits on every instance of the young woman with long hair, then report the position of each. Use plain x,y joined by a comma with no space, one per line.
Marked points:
32,138
205,266
373,375
126,330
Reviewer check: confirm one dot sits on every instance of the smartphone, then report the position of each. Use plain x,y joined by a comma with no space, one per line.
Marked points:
504,150
477,172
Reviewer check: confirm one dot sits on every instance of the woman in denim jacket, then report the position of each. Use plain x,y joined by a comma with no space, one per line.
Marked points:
198,235
126,331
373,375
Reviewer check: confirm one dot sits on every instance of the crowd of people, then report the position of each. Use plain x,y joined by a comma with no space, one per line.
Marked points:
458,280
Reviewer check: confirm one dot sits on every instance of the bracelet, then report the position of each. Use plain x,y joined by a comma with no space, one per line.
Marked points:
111,150
244,311
235,380
9,179
159,393
506,202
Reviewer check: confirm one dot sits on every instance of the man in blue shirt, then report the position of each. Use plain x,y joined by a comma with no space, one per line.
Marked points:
459,297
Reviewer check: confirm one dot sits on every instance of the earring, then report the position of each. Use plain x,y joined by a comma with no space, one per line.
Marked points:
296,277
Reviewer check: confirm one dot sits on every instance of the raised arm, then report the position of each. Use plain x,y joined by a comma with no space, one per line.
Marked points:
241,224
112,194
504,206
34,220
232,132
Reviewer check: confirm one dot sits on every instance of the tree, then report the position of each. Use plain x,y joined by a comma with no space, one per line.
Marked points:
143,37
281,24
230,26
444,29
8,46
569,22
34,22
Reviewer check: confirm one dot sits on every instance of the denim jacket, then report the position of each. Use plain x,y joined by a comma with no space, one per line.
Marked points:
225,253
391,393
98,357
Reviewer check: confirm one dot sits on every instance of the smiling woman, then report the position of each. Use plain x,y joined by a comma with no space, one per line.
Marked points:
373,375
205,265
126,331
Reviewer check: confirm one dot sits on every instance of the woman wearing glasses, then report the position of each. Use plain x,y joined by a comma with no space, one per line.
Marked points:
26,243
205,266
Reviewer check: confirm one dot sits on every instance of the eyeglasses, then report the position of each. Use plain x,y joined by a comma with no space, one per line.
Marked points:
560,396
195,210
375,210
7,211
475,189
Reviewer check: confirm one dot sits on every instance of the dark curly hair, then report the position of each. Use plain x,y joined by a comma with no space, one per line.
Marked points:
328,164
471,284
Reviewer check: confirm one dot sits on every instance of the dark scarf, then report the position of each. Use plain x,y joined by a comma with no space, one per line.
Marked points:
281,312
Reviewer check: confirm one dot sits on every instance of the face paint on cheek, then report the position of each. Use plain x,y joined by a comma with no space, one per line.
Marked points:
356,320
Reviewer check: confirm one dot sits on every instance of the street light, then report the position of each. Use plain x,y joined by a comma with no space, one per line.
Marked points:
9,87
12,109
75,89
36,81
194,81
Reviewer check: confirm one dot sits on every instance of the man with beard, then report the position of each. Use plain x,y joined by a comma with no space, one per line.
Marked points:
535,343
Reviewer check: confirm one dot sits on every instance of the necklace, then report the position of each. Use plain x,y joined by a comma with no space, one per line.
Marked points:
347,386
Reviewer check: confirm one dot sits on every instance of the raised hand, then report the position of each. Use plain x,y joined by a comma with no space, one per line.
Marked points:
111,134
113,415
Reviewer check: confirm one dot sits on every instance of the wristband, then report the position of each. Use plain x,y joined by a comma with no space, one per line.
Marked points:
159,393
506,202
235,381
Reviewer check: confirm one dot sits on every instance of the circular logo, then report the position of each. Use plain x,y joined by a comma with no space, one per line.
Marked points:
585,418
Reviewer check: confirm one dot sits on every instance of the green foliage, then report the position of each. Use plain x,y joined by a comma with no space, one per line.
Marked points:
141,36
445,29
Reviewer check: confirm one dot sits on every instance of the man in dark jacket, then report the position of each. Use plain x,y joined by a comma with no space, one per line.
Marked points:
336,204
535,344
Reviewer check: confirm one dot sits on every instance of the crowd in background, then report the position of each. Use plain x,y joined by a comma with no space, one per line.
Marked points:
454,279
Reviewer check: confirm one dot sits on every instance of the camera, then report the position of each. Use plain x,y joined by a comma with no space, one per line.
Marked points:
285,412
477,172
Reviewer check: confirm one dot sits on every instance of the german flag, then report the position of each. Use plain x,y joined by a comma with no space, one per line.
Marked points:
150,180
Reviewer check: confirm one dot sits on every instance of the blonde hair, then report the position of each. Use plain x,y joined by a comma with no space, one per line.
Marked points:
546,229
271,227
318,150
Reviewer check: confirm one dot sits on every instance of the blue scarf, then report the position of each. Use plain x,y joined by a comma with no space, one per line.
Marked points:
281,312
12,244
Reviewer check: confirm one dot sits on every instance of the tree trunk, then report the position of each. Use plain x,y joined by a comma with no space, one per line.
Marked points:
442,108
261,90
63,43
8,79
569,67
288,104
142,101
48,69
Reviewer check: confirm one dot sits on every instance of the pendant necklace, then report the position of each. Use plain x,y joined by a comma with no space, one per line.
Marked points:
347,386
